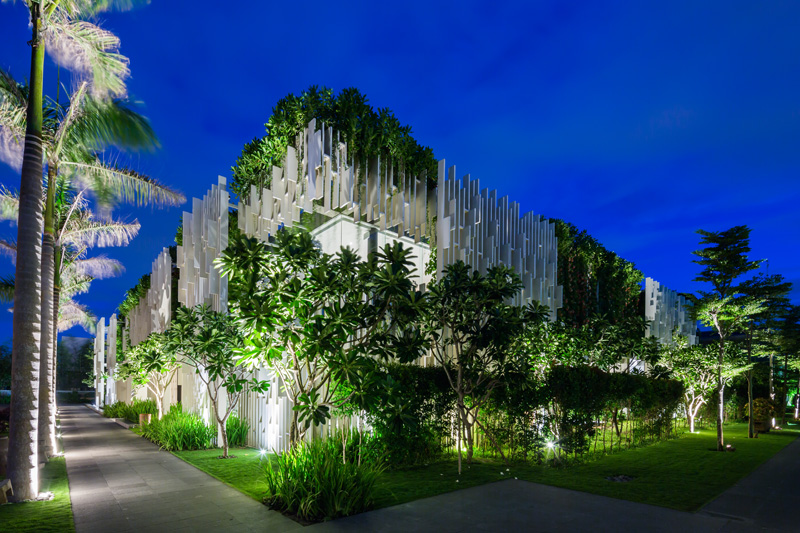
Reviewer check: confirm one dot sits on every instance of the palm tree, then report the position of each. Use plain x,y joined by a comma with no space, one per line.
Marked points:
73,135
77,230
88,50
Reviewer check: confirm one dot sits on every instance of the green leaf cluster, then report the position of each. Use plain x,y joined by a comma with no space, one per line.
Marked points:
322,322
368,132
596,280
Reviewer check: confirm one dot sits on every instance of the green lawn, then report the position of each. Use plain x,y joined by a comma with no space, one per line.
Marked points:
54,515
683,473
243,473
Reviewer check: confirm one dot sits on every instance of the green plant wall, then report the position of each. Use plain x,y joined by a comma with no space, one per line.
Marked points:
595,279
367,132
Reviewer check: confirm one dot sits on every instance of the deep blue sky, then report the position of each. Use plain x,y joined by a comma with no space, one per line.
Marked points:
639,123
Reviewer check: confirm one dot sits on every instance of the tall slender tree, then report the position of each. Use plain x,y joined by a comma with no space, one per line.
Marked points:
73,136
91,52
725,307
762,327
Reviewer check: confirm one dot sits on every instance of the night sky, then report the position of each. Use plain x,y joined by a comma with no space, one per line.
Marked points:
640,124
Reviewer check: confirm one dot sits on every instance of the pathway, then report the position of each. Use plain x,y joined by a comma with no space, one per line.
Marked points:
121,482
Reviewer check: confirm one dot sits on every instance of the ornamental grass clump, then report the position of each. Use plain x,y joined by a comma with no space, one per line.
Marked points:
115,410
130,412
237,429
314,482
139,407
177,431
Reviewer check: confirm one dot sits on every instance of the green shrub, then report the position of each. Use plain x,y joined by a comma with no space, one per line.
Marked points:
177,431
315,483
5,399
115,410
138,407
763,409
412,417
130,412
237,429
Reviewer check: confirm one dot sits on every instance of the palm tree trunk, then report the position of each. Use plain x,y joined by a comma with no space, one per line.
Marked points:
23,467
56,311
47,428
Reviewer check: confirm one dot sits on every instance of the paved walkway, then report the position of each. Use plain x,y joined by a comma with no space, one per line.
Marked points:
121,482
768,498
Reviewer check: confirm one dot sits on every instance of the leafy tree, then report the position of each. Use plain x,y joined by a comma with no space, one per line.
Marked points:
761,328
150,364
207,341
725,307
696,368
471,332
599,343
790,345
321,322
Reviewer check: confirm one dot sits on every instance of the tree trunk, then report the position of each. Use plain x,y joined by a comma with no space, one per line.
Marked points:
797,399
721,398
224,430
56,313
47,428
468,436
771,380
213,399
458,442
294,431
785,388
23,466
160,404
751,425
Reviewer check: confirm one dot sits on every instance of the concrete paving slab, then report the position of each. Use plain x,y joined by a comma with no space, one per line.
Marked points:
121,482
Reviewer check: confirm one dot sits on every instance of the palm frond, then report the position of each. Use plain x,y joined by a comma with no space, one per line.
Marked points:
88,8
9,248
90,52
110,183
99,267
85,230
9,204
7,289
12,89
72,314
104,123
13,113
73,285
74,112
